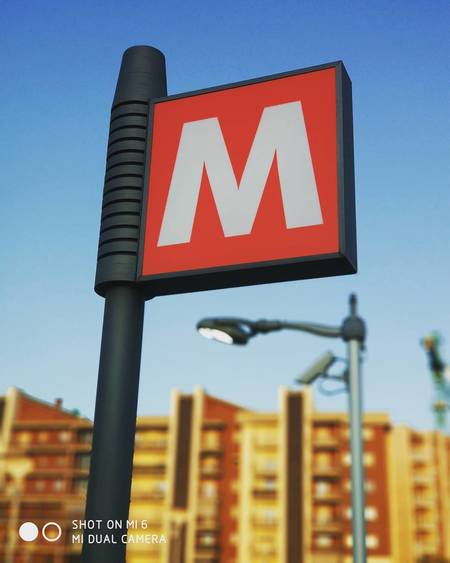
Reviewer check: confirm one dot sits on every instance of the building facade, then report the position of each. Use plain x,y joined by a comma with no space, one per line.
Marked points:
44,466
215,482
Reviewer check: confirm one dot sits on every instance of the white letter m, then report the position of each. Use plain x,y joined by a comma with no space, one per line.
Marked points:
282,133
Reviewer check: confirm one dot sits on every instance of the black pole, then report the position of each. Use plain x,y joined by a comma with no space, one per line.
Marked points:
142,77
114,426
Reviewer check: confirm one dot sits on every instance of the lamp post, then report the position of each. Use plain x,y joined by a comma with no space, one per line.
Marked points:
353,332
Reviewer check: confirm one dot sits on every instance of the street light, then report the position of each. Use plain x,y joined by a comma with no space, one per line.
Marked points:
352,331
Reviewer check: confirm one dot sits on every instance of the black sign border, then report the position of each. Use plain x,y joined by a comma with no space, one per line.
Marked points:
307,267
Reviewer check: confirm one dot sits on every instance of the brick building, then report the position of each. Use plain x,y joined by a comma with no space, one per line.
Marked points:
220,483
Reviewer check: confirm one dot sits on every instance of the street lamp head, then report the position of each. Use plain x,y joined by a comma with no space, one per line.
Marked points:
318,368
227,330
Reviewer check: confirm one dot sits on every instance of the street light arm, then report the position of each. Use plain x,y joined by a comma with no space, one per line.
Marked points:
313,328
264,326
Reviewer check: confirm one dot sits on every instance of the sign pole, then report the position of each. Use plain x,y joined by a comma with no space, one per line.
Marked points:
142,77
115,423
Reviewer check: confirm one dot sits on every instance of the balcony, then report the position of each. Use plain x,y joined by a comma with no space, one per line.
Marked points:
151,468
323,443
49,448
421,457
208,505
269,470
261,549
211,447
207,540
264,492
142,492
208,524
266,443
331,497
211,472
265,521
426,547
424,502
328,471
151,445
423,480
331,527
426,526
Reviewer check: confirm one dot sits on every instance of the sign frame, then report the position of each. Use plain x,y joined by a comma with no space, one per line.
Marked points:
286,269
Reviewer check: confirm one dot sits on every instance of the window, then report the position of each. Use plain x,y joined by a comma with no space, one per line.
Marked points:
83,461
264,546
60,461
347,459
24,438
324,514
270,465
372,541
39,485
324,541
368,433
80,486
85,436
371,513
58,485
269,516
322,488
270,484
210,466
209,490
211,440
64,436
207,539
323,434
369,486
41,461
324,460
266,438
159,489
42,436
369,459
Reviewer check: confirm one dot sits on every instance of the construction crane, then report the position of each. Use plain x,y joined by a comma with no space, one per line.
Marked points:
440,373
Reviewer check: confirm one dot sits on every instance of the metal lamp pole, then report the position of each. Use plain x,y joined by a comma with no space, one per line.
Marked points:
353,332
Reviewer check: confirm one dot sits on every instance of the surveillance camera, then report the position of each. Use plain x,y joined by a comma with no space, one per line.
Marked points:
318,368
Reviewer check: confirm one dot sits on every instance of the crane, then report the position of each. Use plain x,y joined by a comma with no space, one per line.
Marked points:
440,373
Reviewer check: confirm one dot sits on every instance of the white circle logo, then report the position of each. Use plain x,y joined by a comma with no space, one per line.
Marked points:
58,535
28,531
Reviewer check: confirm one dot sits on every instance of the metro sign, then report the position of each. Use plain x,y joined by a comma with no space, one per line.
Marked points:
250,183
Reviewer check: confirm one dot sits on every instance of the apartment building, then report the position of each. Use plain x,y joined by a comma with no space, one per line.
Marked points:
215,482
421,495
44,466
295,485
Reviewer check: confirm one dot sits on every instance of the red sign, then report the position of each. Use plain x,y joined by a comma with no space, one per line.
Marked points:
250,183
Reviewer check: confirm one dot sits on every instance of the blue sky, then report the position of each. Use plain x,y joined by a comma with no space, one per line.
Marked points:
59,66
